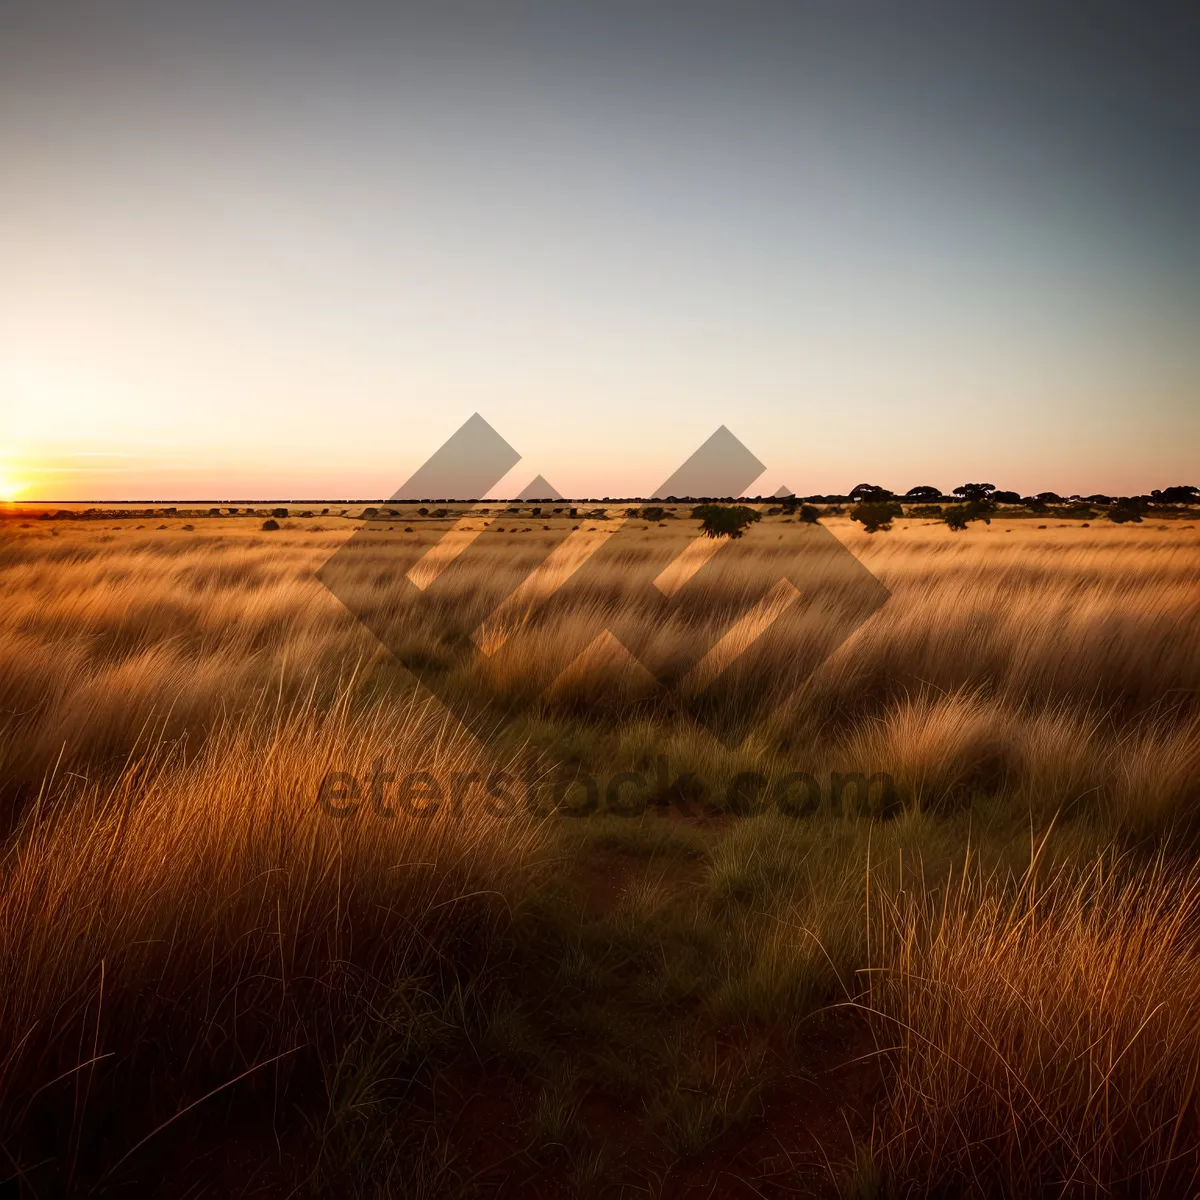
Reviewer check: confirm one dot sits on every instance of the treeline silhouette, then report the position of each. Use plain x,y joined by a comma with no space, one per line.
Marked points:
972,500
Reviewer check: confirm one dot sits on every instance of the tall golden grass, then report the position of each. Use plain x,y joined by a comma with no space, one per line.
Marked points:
193,918
176,910
1026,651
1045,1035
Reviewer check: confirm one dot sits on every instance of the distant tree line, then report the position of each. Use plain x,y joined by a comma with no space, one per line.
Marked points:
877,506
873,506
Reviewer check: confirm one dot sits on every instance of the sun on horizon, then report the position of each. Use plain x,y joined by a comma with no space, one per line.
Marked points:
10,488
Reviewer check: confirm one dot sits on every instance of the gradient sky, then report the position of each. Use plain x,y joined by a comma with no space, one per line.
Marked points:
274,250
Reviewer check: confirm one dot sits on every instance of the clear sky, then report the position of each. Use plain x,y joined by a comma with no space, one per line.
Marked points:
278,250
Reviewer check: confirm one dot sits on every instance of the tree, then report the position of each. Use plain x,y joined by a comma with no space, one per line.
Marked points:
975,491
1049,497
1006,497
1183,493
924,492
875,515
720,520
870,492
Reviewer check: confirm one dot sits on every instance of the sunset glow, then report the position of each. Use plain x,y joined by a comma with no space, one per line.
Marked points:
297,275
10,488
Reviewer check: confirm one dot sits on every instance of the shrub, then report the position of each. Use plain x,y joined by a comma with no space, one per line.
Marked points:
1127,508
809,514
720,520
974,510
1118,516
876,515
270,523
279,512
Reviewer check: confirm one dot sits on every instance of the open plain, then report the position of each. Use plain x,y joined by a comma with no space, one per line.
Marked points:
965,960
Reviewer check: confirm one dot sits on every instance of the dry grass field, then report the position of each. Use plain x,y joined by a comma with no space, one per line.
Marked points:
984,983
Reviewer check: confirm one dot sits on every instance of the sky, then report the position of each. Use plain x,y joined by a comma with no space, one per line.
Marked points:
269,250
